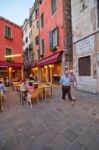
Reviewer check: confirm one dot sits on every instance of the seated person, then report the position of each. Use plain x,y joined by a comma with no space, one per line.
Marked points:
23,89
3,90
2,87
31,78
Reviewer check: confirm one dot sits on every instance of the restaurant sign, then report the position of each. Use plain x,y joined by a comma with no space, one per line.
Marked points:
85,45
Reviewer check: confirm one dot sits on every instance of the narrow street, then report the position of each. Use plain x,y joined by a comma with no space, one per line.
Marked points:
50,125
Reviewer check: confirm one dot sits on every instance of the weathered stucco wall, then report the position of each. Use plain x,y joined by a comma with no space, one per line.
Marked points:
86,42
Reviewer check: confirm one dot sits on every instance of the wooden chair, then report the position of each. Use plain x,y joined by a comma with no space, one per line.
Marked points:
35,95
40,92
48,90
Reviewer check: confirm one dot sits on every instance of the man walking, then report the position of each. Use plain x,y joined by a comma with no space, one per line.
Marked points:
65,82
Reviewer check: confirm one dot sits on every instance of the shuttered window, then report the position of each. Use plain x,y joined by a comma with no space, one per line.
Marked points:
38,51
53,6
53,38
42,20
7,32
8,52
84,64
36,40
43,46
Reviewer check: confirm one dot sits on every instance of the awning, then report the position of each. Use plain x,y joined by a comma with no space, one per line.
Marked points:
4,64
33,65
51,59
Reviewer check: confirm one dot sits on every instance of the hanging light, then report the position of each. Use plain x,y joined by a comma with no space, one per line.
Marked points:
15,55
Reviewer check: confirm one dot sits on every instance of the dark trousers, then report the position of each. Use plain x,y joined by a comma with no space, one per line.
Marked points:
0,106
24,94
66,90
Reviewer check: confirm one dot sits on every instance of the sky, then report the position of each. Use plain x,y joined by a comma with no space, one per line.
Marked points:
15,10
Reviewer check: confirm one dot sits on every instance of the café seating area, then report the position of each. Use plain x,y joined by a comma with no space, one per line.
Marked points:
40,92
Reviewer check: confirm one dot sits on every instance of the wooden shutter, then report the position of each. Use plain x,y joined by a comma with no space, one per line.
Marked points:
51,39
42,46
57,36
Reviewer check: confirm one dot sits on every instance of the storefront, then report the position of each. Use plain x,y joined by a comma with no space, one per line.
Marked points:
51,68
10,70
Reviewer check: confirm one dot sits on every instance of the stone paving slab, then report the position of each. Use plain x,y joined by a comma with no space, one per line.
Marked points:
50,125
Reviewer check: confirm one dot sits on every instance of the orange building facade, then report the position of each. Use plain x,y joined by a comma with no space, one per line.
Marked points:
10,44
51,30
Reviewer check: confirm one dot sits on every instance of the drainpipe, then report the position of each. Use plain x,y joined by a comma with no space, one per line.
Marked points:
68,44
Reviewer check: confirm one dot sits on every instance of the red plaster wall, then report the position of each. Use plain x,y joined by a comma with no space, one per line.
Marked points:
50,22
15,44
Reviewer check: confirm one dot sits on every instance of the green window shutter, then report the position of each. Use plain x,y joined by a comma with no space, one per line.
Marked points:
42,20
53,6
36,40
42,42
51,39
57,36
8,32
8,52
38,51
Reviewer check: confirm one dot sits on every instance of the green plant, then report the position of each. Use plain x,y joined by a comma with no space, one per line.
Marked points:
54,48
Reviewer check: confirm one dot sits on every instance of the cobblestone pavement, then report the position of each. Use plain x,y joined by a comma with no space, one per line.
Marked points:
50,125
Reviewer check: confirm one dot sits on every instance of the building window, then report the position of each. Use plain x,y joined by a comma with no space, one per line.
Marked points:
42,20
36,40
40,1
38,53
84,64
7,32
53,6
8,52
37,24
42,46
36,13
26,39
30,47
53,38
31,32
30,22
83,4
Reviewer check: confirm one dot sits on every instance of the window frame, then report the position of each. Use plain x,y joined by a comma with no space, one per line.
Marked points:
83,5
8,59
37,40
53,47
8,32
43,45
53,10
90,72
42,20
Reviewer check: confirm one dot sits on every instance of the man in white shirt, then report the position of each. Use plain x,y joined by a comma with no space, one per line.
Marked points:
23,89
65,82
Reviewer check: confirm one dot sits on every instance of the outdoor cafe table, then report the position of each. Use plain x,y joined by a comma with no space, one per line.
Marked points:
45,86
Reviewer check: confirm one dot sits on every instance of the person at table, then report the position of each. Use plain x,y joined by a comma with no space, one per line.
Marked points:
31,78
23,89
3,90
